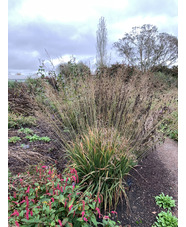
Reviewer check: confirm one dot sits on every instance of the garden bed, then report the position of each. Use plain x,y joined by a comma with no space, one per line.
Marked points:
149,179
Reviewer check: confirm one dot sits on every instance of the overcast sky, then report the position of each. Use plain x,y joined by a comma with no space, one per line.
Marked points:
66,28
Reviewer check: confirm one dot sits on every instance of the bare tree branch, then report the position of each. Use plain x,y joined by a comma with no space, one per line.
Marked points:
145,47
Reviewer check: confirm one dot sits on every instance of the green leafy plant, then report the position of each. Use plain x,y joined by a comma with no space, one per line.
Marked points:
35,137
17,121
45,139
166,219
14,139
34,86
43,197
166,202
102,160
26,130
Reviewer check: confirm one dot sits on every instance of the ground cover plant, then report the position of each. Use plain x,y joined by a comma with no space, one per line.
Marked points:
18,121
43,197
166,202
165,218
14,139
26,130
170,126
35,137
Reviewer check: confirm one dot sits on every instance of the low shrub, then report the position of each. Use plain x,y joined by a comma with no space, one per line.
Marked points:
35,137
72,69
171,72
166,202
18,121
34,86
170,126
102,159
42,197
166,219
14,139
168,80
26,130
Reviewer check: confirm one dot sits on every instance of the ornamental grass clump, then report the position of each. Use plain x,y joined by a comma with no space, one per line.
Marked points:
114,118
42,197
101,102
102,159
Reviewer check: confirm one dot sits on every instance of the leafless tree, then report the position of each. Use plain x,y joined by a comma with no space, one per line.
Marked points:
101,45
145,47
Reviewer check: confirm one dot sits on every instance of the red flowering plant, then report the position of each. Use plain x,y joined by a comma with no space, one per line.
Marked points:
42,197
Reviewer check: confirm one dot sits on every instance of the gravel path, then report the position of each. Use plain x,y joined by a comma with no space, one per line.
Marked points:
156,173
168,154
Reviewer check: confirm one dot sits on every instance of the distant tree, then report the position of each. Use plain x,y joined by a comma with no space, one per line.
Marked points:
145,47
101,45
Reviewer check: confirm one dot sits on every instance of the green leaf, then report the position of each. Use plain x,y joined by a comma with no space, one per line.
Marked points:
47,210
93,219
71,202
61,209
65,220
53,223
61,198
86,207
79,219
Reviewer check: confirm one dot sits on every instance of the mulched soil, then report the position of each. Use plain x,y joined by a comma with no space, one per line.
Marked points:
149,179
49,153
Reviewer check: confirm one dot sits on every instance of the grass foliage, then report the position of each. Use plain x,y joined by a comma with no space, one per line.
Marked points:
102,160
112,117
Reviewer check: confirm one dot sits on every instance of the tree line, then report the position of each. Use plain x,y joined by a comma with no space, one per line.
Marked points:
143,47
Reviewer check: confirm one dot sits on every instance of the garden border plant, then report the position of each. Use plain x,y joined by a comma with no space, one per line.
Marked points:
42,196
35,137
95,103
165,218
14,139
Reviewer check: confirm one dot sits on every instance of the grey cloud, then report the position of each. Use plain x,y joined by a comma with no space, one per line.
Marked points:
57,39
